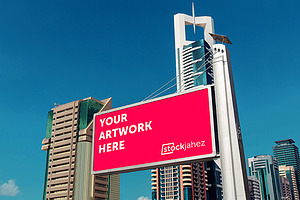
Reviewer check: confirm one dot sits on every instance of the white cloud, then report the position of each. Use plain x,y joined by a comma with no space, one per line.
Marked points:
9,189
143,198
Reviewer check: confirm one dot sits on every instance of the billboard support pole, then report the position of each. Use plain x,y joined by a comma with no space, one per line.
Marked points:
234,178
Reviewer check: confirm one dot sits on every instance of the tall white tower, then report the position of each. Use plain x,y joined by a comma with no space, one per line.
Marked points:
212,66
185,60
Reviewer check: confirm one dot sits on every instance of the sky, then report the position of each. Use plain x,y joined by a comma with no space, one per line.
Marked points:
61,51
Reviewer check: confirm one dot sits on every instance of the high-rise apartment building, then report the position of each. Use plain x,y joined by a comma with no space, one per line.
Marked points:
287,153
200,181
254,188
265,169
285,188
68,143
289,173
185,182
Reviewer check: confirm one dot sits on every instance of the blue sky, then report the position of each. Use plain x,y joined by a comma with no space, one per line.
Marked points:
60,51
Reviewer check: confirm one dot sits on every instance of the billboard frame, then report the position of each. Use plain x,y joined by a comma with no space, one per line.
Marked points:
171,162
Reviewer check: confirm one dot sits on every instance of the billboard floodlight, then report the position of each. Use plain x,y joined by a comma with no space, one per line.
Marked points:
220,38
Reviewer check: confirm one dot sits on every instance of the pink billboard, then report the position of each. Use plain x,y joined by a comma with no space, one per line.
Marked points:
169,130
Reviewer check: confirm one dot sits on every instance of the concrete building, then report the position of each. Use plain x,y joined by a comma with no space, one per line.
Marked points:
254,188
68,144
200,181
185,182
265,169
287,153
286,189
289,173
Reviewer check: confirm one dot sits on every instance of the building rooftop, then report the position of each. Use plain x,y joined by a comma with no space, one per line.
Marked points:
287,141
261,156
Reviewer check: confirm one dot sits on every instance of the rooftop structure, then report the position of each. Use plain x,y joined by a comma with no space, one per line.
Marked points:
288,141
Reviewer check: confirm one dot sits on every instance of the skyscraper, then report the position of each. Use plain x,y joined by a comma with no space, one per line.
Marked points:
289,173
194,62
185,182
203,62
265,169
68,144
287,153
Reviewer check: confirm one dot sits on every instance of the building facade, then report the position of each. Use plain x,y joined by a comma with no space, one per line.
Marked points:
287,153
214,181
196,66
254,188
68,144
285,188
289,173
197,181
265,169
182,182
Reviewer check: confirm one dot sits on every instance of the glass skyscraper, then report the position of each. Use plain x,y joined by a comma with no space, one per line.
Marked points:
287,153
197,66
